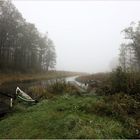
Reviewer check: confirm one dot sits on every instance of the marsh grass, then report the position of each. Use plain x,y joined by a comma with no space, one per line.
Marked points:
58,87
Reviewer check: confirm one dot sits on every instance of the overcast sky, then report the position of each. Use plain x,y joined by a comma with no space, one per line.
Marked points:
87,34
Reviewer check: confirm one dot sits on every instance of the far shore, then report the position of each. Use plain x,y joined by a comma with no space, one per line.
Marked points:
9,77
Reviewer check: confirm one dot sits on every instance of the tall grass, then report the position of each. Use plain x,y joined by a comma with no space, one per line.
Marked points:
10,77
57,87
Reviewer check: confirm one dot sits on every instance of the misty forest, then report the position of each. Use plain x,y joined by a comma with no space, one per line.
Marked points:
22,46
38,101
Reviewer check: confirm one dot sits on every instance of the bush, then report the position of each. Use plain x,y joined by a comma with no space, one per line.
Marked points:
104,89
121,107
118,81
118,105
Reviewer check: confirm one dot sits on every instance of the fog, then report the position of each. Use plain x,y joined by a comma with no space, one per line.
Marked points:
87,34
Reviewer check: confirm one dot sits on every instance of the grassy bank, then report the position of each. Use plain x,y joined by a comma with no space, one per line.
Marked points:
62,117
64,112
8,77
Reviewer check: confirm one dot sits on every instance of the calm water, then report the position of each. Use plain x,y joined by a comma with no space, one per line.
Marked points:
9,88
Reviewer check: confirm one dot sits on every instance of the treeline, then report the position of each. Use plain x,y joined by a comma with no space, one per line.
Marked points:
126,78
130,49
22,47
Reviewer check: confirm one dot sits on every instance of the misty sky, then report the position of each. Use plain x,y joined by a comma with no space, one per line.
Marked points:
87,34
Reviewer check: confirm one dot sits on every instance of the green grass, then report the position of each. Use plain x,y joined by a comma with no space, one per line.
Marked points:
61,117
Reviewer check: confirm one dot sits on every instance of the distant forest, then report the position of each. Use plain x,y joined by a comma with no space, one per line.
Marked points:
22,47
